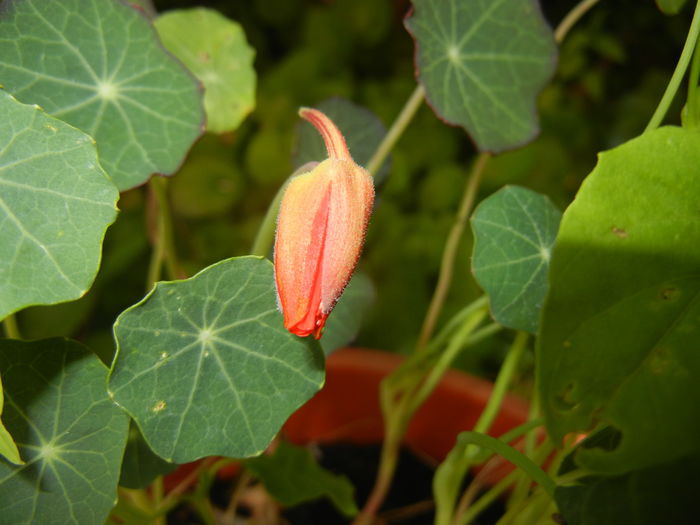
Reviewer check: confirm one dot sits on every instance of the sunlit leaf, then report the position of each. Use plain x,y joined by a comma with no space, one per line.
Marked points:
514,231
618,340
215,49
362,129
55,205
205,366
99,66
68,431
482,65
292,476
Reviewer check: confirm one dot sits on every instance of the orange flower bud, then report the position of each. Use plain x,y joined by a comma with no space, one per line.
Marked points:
320,231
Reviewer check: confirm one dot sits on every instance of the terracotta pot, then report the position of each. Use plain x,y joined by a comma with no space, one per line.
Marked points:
347,408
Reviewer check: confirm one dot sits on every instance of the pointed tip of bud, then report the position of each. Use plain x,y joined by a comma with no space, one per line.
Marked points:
332,137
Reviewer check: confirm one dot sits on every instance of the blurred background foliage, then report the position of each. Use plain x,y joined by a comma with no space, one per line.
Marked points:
613,68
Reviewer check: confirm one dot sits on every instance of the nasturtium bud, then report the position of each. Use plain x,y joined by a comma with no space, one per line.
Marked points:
320,232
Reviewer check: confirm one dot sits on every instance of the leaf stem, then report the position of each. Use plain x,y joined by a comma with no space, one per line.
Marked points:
678,73
450,252
11,327
402,393
694,77
163,242
455,467
397,128
266,232
571,18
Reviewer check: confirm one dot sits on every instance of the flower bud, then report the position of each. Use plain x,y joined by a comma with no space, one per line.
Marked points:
320,232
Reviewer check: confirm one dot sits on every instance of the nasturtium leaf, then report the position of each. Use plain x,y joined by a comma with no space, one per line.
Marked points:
141,465
215,49
8,447
514,231
619,334
292,476
482,65
362,129
671,7
345,320
69,432
99,66
205,367
55,205
661,494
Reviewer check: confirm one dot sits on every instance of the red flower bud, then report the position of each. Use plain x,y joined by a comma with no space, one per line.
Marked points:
320,231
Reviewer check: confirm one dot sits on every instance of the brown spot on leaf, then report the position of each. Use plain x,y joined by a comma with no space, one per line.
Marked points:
620,232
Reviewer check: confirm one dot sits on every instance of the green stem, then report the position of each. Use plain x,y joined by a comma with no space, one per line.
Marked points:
467,513
679,72
158,490
457,464
401,401
266,233
11,327
500,387
693,79
571,18
449,254
163,245
397,128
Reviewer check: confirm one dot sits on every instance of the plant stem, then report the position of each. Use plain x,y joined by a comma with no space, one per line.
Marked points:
693,79
163,243
266,232
11,327
678,73
450,252
158,490
571,18
500,387
461,464
397,128
401,401
244,478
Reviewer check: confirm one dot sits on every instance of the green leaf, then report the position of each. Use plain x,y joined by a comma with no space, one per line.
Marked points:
514,231
99,66
482,65
141,465
619,329
215,49
362,129
8,447
69,433
55,205
345,320
205,367
670,7
292,476
663,494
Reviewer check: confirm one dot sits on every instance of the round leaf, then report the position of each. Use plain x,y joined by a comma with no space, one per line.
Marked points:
205,366
55,205
619,335
514,231
214,48
69,433
99,66
482,65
